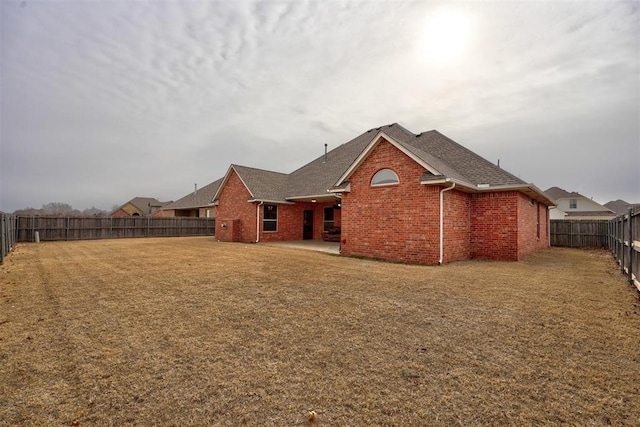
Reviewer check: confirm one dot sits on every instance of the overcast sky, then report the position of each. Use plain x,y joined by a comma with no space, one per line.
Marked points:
103,101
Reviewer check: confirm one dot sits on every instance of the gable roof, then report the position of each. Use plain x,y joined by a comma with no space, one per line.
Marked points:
444,159
263,185
199,198
146,205
620,207
441,156
557,193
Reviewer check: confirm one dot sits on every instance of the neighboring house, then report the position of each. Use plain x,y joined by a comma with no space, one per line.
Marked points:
620,207
575,206
196,204
139,206
393,195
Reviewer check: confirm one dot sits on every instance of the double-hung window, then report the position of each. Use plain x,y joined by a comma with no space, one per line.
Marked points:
270,218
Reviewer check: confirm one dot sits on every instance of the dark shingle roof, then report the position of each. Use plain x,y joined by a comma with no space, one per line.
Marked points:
621,207
317,177
320,175
264,184
201,197
146,205
560,193
458,162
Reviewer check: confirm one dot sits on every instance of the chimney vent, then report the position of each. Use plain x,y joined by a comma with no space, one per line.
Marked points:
195,188
325,153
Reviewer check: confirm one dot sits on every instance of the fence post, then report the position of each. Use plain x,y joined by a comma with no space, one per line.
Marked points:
630,247
2,238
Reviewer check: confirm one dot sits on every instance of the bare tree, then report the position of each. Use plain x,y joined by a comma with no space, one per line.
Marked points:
57,208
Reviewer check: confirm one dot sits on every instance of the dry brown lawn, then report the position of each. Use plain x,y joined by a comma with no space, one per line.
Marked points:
189,331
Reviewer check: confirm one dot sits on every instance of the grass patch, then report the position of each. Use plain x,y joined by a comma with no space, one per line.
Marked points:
189,331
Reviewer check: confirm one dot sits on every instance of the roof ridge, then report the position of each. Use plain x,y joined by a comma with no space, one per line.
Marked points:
257,169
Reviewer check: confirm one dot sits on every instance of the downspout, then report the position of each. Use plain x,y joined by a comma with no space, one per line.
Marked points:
442,220
549,225
258,221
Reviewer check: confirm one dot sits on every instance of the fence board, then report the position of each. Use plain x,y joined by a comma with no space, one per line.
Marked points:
579,233
7,234
624,244
88,228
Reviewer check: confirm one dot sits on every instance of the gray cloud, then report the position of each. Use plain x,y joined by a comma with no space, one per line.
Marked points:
103,101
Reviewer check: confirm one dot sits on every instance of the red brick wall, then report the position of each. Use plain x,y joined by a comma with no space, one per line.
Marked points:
128,210
457,226
396,222
494,225
232,204
530,238
290,221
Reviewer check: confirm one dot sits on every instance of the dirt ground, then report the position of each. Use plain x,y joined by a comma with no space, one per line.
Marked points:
189,331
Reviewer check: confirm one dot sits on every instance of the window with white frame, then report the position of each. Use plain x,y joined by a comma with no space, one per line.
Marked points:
573,203
385,177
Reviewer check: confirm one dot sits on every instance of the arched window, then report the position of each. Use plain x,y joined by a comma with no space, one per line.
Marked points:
385,177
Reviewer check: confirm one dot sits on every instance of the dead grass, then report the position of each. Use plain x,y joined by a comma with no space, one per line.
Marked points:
188,331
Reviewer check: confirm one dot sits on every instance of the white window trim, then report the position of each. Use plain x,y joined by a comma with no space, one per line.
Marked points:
385,184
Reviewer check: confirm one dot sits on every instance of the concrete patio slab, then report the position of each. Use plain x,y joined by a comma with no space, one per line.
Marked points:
312,245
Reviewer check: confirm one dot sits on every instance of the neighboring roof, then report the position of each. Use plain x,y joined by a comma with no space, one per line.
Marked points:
443,158
144,203
557,193
620,207
196,199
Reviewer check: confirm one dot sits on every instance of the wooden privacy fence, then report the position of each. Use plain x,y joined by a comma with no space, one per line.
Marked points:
624,243
48,228
579,233
7,234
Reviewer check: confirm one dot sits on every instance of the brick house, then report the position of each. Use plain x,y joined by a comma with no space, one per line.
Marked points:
140,206
575,206
393,195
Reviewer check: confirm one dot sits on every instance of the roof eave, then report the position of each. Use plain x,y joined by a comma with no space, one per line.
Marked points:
327,195
460,185
344,189
528,189
275,202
